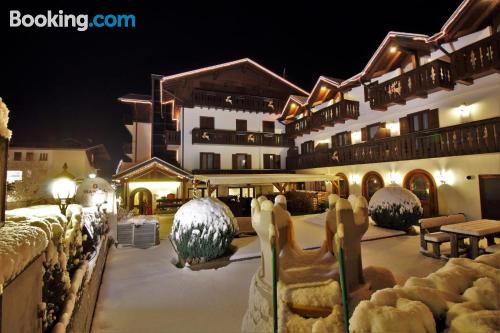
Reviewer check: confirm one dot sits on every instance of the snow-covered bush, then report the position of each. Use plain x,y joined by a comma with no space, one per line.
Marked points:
395,207
203,229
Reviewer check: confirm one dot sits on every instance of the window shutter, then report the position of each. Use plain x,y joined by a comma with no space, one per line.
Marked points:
241,125
202,162
277,161
364,134
434,118
235,161
249,161
348,138
216,161
404,127
335,141
267,161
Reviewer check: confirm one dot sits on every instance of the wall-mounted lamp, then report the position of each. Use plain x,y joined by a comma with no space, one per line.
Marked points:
393,49
356,137
464,110
393,126
445,177
354,179
394,178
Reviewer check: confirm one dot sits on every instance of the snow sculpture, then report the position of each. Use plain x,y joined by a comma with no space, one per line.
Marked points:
308,289
203,229
395,207
462,296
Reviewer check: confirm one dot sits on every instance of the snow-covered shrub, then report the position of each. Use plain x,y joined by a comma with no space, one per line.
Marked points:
203,229
395,207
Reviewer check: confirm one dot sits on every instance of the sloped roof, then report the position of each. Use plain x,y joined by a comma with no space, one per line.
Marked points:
130,170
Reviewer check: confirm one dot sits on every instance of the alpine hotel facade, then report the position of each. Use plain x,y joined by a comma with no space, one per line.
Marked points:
423,113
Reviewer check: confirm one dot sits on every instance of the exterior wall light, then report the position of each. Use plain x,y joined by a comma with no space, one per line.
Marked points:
393,49
394,178
354,179
445,177
464,110
356,137
63,189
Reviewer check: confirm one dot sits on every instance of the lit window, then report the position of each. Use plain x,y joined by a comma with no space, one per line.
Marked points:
44,156
29,156
18,156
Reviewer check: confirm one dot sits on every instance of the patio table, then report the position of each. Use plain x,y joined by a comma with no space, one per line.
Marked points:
474,230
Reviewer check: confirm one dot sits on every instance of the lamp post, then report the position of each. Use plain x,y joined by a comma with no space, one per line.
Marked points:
63,189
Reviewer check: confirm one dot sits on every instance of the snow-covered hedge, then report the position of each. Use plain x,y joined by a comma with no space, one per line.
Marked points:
65,243
395,207
4,121
203,229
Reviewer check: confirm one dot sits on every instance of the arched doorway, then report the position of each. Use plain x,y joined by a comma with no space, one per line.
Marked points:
372,182
341,186
422,184
142,200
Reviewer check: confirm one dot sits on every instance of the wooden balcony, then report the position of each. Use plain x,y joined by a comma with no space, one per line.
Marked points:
476,60
172,137
221,100
470,138
328,116
228,137
237,171
418,82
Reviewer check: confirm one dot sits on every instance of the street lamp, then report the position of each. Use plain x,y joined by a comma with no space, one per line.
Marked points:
63,189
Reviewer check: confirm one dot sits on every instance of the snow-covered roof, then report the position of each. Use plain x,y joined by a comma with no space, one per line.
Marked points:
262,179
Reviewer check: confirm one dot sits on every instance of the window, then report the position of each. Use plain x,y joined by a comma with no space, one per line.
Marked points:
44,156
243,192
18,156
341,139
207,122
272,161
423,120
268,126
242,161
29,156
307,147
209,161
241,125
372,131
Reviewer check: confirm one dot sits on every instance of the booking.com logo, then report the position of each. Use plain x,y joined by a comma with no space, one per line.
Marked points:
61,20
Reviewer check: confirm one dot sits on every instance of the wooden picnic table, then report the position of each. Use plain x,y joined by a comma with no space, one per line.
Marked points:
474,230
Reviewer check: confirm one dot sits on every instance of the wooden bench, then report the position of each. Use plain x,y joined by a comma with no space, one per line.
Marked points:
430,232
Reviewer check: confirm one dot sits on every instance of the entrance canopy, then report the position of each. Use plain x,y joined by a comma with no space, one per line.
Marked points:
262,179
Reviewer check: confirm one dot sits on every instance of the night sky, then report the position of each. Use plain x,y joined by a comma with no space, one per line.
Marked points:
63,83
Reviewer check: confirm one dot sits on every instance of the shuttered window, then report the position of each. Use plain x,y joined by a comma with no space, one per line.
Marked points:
209,161
272,161
241,125
242,161
420,121
207,122
268,126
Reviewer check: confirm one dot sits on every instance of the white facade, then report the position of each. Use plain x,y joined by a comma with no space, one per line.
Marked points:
141,141
189,153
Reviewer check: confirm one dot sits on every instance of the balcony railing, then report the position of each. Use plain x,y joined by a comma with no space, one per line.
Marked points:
328,116
172,137
418,82
470,138
228,137
476,60
236,102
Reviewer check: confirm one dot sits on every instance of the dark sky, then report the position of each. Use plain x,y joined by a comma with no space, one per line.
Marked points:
64,83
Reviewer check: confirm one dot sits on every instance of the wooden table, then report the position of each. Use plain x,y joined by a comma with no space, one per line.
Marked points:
474,230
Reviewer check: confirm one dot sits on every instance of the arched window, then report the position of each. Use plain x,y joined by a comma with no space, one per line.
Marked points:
372,182
422,184
341,185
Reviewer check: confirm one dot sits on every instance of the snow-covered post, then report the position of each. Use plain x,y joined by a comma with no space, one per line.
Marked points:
5,134
272,240
339,244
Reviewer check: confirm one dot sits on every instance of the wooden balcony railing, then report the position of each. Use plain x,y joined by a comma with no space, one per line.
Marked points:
237,102
228,137
471,138
329,116
172,137
418,82
476,60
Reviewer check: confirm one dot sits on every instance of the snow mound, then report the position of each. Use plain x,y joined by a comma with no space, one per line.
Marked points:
484,292
404,316
203,229
484,321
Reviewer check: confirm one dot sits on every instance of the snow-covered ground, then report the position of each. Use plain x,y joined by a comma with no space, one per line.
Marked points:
143,292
